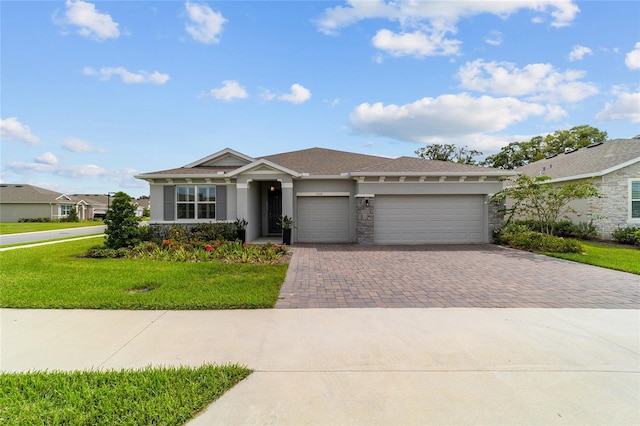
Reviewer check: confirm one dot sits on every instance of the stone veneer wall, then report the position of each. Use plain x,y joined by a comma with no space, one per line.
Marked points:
496,216
365,216
612,211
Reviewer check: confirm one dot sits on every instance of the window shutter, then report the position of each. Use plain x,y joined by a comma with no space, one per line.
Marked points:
169,202
221,202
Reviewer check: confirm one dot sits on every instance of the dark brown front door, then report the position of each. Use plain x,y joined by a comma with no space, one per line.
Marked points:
274,201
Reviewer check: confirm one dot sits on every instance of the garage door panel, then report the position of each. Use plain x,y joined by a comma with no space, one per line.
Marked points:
429,219
323,219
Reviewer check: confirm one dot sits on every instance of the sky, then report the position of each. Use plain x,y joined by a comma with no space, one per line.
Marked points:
93,93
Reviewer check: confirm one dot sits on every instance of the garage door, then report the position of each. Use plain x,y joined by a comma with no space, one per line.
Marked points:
323,219
429,219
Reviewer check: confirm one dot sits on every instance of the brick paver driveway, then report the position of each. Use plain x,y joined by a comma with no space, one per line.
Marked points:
486,276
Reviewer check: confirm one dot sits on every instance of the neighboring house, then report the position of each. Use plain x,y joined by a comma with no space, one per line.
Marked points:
141,204
614,167
333,196
19,201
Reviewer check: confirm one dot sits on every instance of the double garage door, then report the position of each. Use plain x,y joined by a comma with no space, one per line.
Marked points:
323,219
428,219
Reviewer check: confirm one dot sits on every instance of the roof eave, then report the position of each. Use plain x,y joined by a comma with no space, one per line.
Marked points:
443,173
596,174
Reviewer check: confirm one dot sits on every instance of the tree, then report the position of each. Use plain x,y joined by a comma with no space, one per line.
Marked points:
518,154
72,216
538,200
448,152
122,224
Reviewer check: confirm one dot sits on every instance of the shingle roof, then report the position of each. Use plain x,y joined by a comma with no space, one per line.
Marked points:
191,171
19,193
585,161
321,161
417,165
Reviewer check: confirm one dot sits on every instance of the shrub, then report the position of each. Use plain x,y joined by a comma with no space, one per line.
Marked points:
207,232
562,228
72,216
536,241
102,252
122,224
629,235
34,219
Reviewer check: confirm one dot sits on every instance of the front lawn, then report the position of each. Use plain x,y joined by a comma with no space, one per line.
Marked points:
20,227
606,256
54,276
151,396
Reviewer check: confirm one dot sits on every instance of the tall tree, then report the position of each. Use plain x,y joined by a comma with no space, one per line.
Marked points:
518,154
448,152
122,224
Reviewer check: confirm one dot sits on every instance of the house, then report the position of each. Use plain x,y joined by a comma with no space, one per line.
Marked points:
333,196
141,204
22,201
614,167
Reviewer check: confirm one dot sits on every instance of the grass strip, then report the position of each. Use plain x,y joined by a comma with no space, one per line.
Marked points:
21,227
606,256
54,276
4,246
150,396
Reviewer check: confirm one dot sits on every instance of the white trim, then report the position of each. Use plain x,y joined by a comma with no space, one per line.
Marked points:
220,154
438,174
595,174
323,194
264,162
286,185
365,195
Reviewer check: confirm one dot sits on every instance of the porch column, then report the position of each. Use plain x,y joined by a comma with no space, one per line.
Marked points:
287,198
242,202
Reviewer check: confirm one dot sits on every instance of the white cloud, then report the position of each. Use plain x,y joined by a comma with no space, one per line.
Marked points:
445,116
632,60
431,21
494,38
47,158
298,95
230,90
267,95
92,24
417,44
205,24
126,76
536,81
626,107
78,145
72,171
12,129
578,53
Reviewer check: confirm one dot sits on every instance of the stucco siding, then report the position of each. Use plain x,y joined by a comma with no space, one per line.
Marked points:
429,188
14,212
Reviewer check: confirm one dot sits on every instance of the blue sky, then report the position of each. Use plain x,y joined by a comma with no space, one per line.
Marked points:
96,92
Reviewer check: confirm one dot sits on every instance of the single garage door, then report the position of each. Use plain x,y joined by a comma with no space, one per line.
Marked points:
416,219
323,219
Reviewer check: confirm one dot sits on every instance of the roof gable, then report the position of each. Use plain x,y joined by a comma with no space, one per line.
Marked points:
226,158
595,160
19,193
321,161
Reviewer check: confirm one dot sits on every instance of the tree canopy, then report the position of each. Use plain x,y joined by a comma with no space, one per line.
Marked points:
122,224
448,152
518,154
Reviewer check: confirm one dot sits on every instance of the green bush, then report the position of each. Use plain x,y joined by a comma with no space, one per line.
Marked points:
536,241
122,224
629,235
34,219
102,252
562,228
72,216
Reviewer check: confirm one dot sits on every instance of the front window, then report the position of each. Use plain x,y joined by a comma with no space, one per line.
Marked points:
196,202
634,197
65,209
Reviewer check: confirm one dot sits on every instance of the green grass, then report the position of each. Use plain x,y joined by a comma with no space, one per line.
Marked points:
20,227
158,396
612,257
54,276
97,241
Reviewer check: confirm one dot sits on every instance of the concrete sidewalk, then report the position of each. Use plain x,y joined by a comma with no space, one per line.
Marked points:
364,366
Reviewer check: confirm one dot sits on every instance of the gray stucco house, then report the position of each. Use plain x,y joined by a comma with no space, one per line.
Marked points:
614,167
333,196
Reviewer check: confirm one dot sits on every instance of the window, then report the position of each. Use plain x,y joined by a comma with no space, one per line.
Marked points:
196,202
65,209
634,199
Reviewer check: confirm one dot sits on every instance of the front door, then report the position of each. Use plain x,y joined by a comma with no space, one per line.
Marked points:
274,206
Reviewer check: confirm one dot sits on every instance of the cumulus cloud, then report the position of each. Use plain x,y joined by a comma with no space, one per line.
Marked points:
205,25
425,25
578,53
444,116
626,107
298,95
536,81
90,22
12,129
47,158
418,43
126,76
632,60
230,90
78,145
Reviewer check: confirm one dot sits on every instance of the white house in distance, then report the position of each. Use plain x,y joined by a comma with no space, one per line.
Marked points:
333,196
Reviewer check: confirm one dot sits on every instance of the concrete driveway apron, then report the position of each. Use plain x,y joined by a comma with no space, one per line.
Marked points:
481,276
